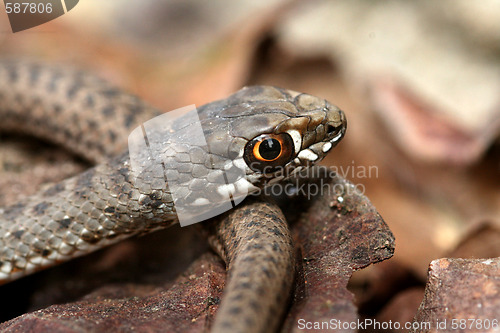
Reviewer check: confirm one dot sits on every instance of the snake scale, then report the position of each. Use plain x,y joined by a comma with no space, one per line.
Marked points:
268,132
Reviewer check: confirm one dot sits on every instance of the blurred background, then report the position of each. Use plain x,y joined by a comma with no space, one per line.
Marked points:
419,82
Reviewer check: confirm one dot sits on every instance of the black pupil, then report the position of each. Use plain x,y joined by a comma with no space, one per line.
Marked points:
269,149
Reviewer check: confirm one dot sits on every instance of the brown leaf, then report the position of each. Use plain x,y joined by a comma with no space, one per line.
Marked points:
481,242
338,232
402,308
185,307
461,292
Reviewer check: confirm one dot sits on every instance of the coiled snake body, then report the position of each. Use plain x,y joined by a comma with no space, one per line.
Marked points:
267,132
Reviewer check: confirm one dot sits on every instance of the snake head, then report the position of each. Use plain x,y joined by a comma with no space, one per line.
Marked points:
272,132
214,156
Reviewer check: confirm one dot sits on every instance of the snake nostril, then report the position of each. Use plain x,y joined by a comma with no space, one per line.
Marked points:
330,129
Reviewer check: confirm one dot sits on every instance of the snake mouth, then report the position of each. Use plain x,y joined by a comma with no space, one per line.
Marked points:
336,138
315,152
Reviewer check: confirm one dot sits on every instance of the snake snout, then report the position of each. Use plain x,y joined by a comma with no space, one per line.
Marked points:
335,124
334,132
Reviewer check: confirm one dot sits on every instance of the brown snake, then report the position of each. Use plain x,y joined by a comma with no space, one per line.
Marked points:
265,130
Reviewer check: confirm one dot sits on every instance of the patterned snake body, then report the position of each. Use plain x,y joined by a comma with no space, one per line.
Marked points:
267,132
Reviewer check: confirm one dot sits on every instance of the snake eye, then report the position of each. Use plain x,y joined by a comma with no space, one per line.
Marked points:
267,152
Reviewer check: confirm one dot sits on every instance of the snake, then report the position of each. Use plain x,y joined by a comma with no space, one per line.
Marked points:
262,133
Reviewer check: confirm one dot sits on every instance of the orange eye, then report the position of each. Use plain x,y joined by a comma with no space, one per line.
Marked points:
267,152
269,149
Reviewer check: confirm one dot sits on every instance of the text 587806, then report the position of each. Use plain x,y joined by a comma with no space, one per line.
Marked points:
28,8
